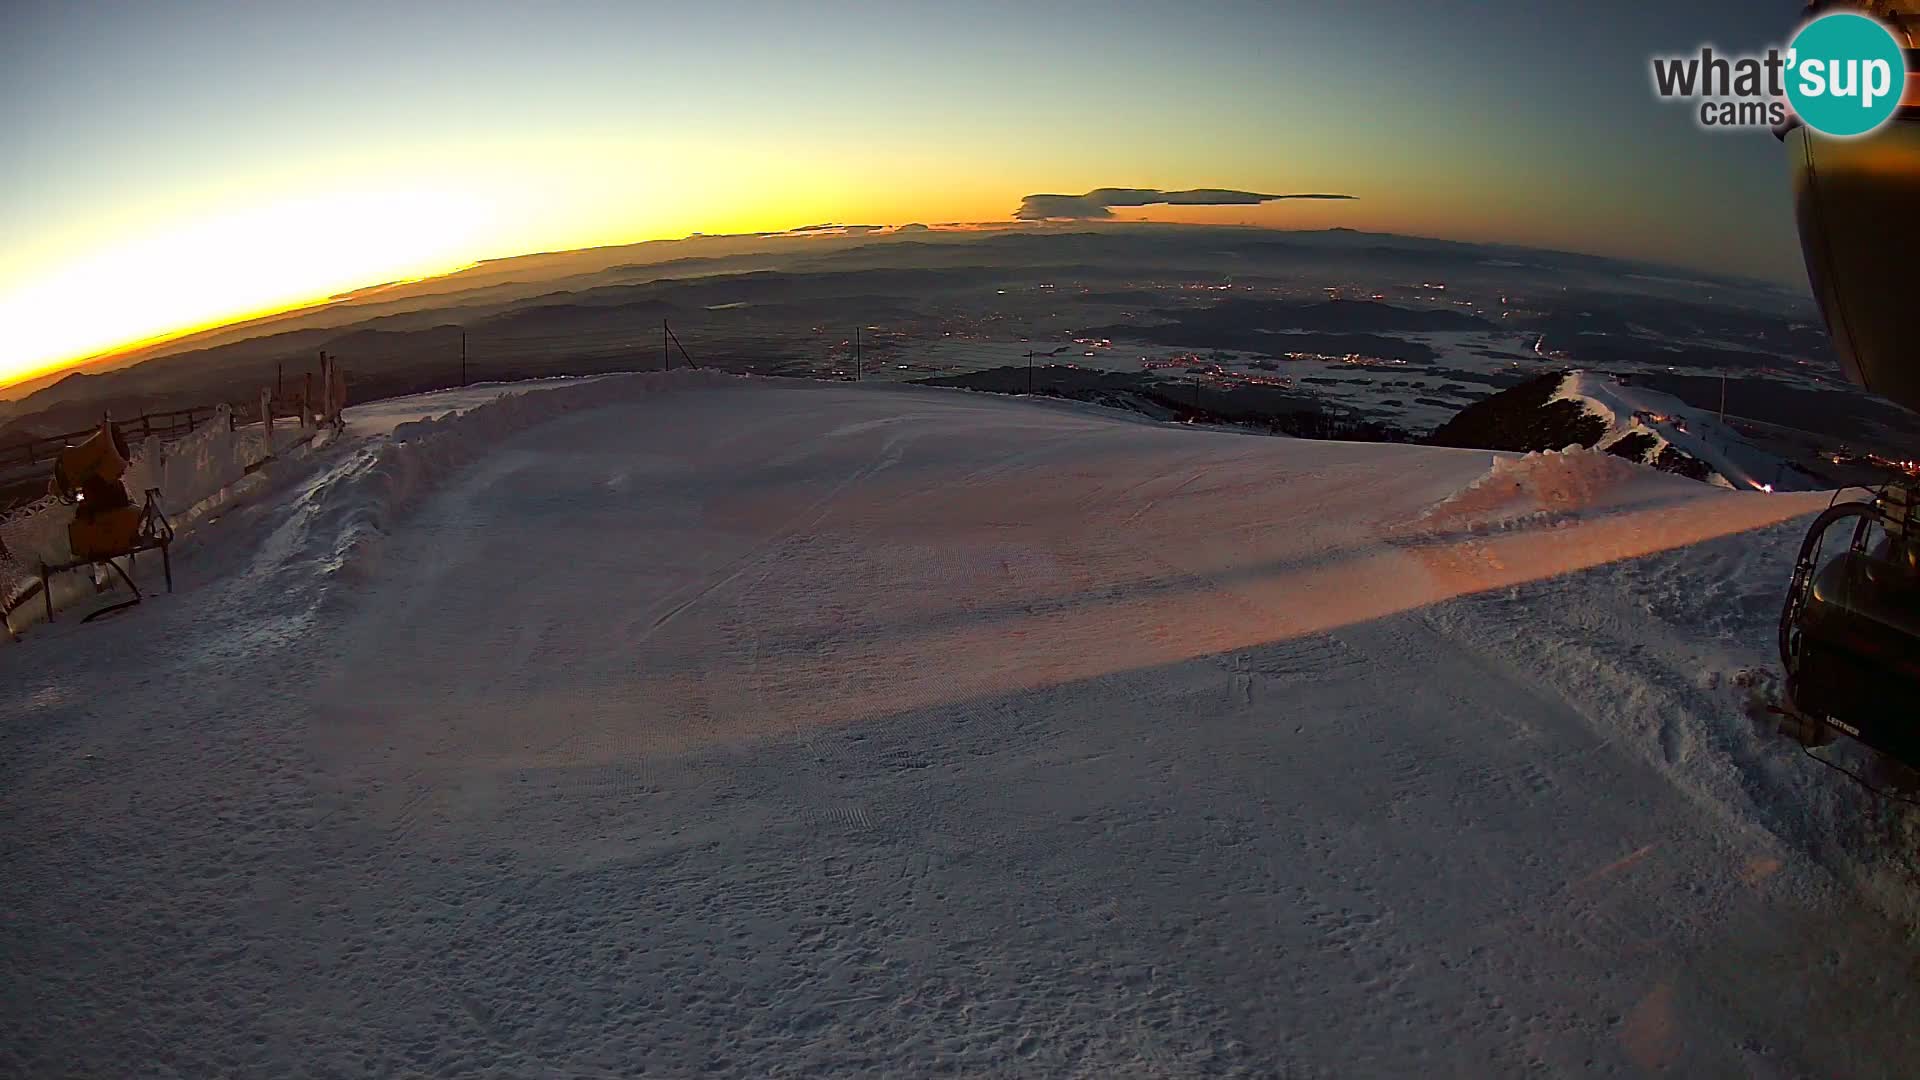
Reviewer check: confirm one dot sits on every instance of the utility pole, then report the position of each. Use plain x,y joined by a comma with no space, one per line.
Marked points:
676,344
278,393
463,357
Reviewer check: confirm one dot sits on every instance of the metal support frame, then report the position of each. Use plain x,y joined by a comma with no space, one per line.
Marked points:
155,532
1895,509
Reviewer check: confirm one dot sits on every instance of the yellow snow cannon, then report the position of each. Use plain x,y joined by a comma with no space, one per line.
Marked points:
106,525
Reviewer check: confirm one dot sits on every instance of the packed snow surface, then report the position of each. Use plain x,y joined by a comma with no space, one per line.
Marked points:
675,724
381,417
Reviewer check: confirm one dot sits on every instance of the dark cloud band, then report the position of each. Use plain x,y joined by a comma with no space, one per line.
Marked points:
1098,202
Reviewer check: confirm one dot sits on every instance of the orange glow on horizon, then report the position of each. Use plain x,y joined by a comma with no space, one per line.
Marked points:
306,253
233,319
223,264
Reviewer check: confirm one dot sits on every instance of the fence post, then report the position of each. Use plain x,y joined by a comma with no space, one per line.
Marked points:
326,385
337,395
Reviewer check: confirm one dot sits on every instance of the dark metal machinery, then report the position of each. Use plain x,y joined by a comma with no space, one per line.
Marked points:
1850,630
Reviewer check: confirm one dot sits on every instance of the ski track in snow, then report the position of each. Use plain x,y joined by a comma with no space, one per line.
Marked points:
794,729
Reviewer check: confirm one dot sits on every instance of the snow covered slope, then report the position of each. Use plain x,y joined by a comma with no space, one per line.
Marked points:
1662,426
1601,412
694,724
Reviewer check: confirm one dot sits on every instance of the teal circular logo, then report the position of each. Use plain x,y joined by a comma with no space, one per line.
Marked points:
1845,74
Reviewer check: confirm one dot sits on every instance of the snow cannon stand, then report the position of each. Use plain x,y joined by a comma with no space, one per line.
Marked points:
106,525
1850,630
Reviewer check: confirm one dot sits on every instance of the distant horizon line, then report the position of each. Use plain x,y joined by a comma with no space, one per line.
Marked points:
56,373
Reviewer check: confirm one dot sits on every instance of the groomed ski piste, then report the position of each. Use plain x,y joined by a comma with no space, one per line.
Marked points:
674,723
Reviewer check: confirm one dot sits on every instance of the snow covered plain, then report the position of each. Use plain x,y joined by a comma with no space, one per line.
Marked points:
686,723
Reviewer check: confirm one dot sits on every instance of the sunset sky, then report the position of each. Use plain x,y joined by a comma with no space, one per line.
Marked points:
174,165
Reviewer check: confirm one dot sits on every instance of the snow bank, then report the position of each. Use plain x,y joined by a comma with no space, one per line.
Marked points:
383,416
192,473
1550,485
345,514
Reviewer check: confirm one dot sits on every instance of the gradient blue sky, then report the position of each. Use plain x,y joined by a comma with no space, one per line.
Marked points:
175,164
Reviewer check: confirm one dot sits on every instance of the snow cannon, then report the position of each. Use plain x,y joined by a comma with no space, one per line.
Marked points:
1850,629
106,525
88,475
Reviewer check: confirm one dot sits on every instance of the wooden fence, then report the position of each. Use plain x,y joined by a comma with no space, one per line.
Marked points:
246,414
167,424
315,400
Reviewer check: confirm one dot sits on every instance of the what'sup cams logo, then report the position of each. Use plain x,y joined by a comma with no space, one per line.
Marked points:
1842,75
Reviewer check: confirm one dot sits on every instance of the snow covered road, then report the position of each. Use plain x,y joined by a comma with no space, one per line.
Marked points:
794,729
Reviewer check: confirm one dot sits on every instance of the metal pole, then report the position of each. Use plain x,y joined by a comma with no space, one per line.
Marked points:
856,354
1029,371
1723,397
666,362
463,358
684,356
